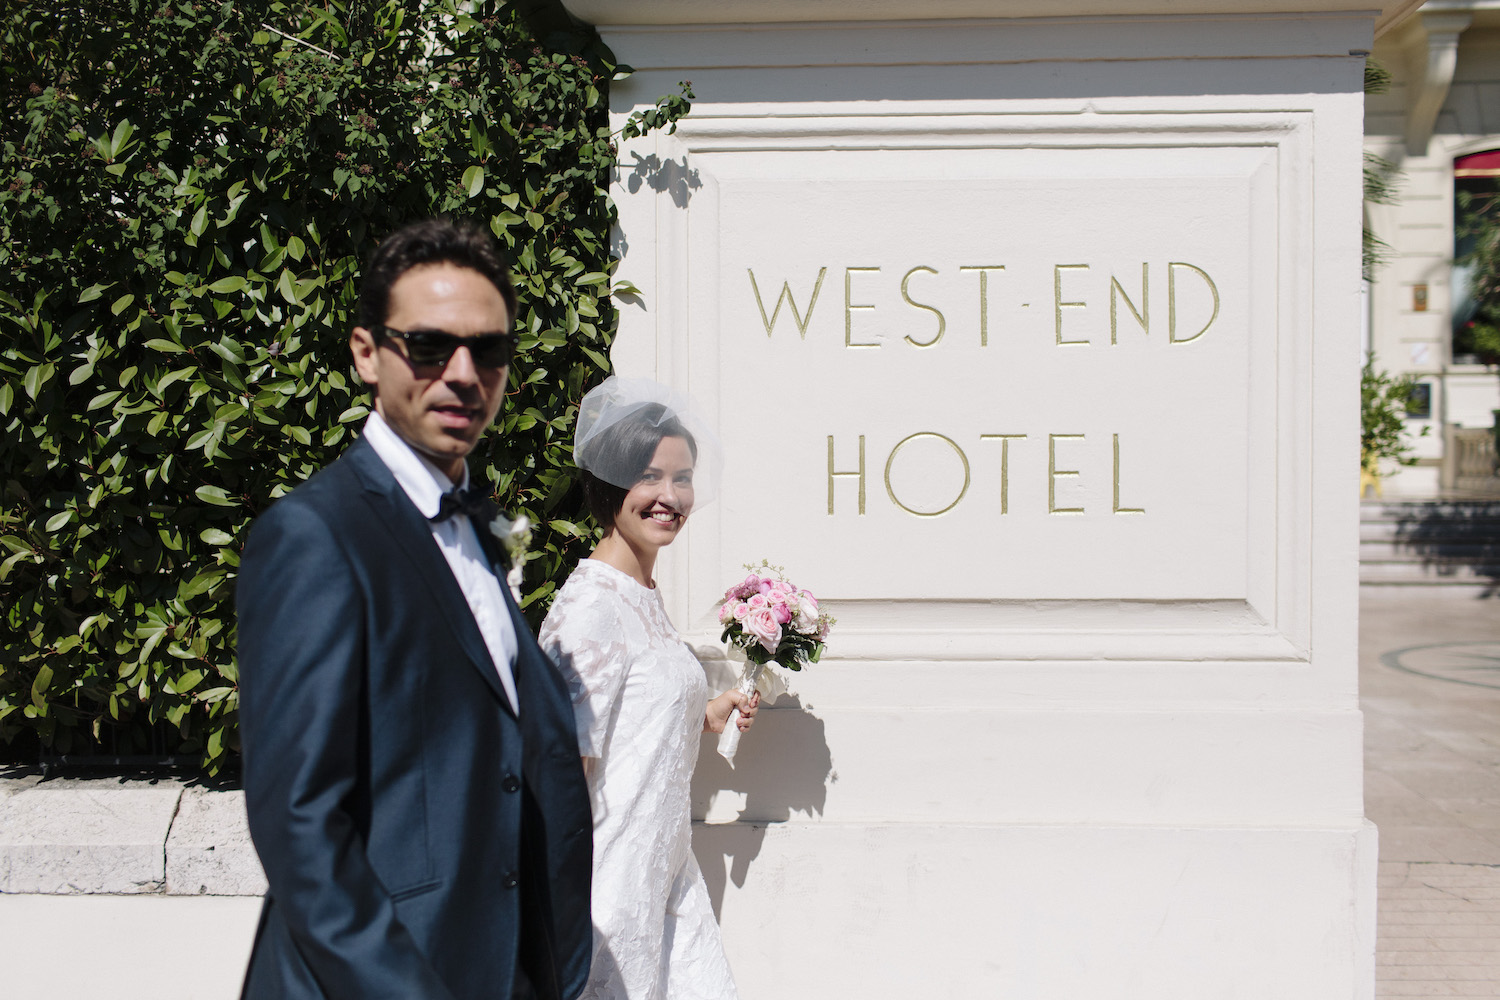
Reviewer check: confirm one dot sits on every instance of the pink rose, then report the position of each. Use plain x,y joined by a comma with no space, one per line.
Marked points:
762,624
741,609
782,612
758,601
726,613
807,608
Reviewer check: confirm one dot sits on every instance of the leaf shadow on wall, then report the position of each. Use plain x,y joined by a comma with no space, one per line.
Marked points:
783,766
672,177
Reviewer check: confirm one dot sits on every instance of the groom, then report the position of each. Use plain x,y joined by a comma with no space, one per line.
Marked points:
411,768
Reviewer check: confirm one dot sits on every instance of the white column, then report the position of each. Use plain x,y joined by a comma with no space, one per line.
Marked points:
1076,301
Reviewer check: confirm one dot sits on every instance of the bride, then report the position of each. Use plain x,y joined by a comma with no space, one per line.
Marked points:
640,698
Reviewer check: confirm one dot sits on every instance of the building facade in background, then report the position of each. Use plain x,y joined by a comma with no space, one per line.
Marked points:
1438,124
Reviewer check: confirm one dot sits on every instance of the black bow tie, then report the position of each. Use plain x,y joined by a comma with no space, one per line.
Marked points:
470,502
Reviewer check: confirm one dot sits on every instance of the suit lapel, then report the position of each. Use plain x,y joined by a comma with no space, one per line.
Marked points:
549,709
500,565
410,532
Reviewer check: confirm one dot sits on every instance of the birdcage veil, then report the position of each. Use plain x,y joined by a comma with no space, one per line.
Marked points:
617,416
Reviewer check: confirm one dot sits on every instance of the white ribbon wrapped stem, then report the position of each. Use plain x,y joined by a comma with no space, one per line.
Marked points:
729,739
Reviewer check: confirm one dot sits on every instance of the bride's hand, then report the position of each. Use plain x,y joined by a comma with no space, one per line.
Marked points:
717,715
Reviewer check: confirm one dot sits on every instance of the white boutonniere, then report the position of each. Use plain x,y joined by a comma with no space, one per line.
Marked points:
515,538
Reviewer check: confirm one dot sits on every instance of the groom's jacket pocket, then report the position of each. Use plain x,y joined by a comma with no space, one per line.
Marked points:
420,889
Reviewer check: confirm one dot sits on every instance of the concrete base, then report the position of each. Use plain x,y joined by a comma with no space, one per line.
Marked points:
126,947
1043,913
86,837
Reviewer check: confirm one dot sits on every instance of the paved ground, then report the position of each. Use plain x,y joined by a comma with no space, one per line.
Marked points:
1430,689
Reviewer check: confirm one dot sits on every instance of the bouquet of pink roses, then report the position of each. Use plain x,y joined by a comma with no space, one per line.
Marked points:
773,621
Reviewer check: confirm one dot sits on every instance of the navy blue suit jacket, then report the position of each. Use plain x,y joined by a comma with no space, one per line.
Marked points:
420,840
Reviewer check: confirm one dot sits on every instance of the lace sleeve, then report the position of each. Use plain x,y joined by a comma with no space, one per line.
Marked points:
583,635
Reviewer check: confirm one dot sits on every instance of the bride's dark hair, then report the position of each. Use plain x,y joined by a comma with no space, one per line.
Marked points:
623,452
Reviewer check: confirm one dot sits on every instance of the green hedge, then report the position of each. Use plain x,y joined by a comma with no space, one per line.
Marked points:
188,191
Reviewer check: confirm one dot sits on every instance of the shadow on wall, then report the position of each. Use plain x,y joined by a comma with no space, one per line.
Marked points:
1457,539
671,177
783,766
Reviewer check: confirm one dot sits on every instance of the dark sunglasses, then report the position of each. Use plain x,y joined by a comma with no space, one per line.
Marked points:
433,348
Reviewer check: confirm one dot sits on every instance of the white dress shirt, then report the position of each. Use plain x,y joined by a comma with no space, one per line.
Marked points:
425,485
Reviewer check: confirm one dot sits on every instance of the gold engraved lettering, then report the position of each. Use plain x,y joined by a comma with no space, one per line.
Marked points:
1054,473
786,296
984,302
1172,337
849,305
942,323
1005,440
1057,299
1142,315
1118,508
891,461
860,475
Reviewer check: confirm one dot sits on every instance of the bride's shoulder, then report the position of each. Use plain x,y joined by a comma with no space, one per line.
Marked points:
591,595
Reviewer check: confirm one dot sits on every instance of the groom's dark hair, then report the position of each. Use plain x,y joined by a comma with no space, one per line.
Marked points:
431,241
628,446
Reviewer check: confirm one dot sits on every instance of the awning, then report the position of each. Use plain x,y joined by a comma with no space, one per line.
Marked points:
1486,164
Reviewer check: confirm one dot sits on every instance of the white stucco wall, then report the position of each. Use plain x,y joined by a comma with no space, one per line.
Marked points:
1108,753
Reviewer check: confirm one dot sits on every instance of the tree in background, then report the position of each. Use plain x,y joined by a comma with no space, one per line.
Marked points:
1379,181
1383,401
189,190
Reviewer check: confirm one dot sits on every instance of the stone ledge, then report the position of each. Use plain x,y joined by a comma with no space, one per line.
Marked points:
123,836
209,852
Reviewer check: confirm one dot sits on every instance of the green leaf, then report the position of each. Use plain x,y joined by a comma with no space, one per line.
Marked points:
201,584
473,181
233,283
10,563
40,685
200,220
121,304
36,377
213,536
56,521
121,140
214,495
7,396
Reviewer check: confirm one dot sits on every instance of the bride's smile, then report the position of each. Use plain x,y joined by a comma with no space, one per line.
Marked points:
657,506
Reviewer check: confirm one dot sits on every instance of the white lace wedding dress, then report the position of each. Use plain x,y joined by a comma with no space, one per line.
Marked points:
638,696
